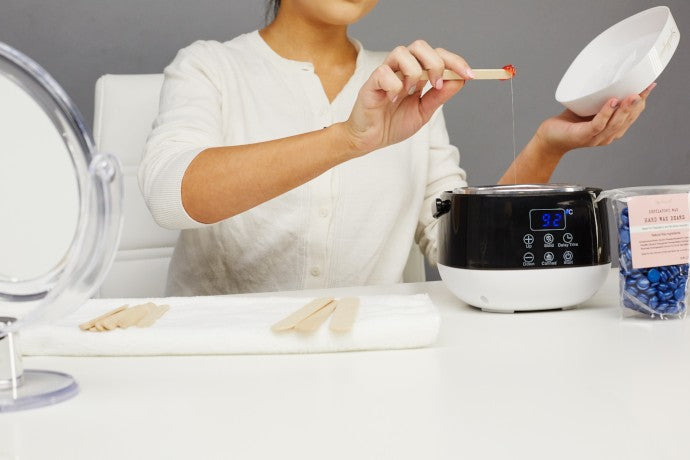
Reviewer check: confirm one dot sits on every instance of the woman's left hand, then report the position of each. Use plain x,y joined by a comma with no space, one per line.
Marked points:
568,131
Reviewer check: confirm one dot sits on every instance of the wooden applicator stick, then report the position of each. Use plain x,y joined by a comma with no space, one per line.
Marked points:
506,73
300,315
345,314
90,324
311,323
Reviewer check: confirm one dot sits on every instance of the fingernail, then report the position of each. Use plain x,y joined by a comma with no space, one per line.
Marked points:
652,86
439,83
412,90
470,73
394,98
615,103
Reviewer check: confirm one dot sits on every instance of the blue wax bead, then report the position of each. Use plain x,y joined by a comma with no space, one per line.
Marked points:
679,294
654,303
651,291
624,236
673,269
624,212
636,274
673,285
664,276
667,295
653,275
631,289
630,281
642,284
663,306
662,287
643,298
624,218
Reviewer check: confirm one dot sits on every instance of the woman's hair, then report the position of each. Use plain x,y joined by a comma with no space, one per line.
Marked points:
272,7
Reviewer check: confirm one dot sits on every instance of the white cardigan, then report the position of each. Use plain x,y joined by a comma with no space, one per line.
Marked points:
352,225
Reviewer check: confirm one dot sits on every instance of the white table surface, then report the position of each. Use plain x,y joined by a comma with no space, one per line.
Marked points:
579,384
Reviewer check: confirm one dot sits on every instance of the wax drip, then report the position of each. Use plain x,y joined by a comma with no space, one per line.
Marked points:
512,106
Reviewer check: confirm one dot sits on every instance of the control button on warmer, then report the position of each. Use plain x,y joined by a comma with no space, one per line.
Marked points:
567,237
315,272
548,257
528,239
568,256
528,257
548,238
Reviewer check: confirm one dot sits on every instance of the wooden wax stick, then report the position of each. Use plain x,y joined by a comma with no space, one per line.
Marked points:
479,74
89,324
126,318
345,313
153,315
296,317
133,315
313,322
111,322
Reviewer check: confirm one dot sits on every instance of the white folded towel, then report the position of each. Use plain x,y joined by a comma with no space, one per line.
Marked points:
236,325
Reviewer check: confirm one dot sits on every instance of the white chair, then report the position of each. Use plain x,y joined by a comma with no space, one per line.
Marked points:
125,108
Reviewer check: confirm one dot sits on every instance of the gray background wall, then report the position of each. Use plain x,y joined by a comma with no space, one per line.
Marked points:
78,40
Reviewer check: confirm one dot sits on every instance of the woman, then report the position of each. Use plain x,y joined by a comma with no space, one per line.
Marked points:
293,158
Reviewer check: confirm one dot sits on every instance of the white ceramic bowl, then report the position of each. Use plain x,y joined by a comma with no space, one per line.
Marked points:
623,60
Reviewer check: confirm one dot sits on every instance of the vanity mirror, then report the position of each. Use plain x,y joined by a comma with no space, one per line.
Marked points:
60,219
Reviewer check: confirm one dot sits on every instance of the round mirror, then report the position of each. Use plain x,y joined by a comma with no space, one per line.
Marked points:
38,177
60,204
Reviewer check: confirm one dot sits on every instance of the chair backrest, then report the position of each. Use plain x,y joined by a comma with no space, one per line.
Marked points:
125,109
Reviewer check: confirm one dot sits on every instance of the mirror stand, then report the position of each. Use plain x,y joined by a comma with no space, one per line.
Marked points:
26,389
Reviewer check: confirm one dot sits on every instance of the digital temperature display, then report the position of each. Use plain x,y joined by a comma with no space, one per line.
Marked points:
547,219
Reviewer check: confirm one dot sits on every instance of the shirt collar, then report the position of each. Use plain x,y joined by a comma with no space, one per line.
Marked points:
267,51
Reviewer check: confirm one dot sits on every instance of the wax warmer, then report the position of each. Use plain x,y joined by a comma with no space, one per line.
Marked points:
523,247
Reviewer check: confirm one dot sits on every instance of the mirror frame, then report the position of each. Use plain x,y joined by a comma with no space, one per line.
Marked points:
99,182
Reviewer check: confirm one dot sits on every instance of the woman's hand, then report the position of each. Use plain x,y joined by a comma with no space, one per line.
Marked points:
558,135
567,131
389,110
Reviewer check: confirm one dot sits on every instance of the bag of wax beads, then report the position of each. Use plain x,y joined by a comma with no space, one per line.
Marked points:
653,249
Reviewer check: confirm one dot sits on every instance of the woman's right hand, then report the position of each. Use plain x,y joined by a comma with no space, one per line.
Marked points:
388,110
